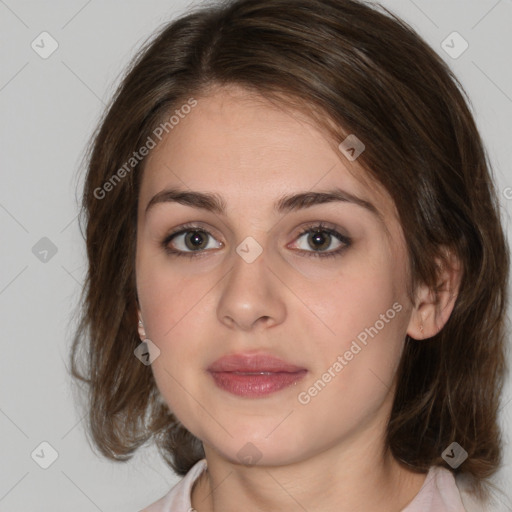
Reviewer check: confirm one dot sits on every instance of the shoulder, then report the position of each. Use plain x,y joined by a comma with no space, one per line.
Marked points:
178,498
443,491
494,502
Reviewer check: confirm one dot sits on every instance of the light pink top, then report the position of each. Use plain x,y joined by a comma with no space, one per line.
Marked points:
439,493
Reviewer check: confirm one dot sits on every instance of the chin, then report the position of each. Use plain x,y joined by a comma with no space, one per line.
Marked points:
255,447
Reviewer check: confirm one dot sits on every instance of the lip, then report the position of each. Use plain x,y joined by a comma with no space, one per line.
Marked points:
254,375
253,363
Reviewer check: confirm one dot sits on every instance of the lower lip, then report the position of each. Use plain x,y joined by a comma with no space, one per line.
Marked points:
255,385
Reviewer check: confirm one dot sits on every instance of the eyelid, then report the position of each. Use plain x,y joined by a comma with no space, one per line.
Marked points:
189,226
319,225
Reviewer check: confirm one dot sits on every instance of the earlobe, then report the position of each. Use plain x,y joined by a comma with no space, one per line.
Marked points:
434,307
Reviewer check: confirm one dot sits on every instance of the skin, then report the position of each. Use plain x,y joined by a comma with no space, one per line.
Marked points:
326,455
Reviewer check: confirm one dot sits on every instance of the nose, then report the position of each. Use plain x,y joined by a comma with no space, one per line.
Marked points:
252,296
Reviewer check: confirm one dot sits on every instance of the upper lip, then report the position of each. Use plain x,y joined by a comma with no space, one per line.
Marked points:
253,363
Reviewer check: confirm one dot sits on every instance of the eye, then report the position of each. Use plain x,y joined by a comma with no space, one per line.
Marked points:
320,237
190,240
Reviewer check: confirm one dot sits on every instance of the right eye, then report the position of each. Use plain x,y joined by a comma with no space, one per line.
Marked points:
191,241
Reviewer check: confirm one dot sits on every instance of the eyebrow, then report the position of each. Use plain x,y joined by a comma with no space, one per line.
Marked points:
216,204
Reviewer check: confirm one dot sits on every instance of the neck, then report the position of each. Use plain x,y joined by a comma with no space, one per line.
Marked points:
357,475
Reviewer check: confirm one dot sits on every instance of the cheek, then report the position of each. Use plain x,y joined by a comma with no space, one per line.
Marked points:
169,299
176,309
355,298
354,375
363,322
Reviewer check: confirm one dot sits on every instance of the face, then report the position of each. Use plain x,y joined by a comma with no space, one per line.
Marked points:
309,297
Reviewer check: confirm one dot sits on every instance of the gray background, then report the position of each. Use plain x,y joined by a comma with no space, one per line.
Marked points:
49,107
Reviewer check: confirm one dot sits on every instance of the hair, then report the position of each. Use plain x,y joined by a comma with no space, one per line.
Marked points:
354,68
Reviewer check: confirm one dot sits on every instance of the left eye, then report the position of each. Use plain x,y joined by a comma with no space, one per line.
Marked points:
320,238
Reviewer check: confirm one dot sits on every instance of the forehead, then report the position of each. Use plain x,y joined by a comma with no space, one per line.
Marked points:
250,151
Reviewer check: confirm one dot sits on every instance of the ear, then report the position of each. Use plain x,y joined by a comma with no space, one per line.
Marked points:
434,307
140,326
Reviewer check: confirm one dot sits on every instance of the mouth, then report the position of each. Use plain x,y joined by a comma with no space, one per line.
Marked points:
254,376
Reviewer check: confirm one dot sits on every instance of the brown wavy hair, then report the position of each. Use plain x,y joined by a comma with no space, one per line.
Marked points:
354,68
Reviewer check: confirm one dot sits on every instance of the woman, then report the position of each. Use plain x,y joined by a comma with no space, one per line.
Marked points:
297,271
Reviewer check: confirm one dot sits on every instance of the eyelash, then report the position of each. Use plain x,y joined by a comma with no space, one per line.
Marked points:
322,228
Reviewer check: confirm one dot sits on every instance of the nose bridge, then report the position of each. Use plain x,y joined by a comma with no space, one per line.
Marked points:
251,291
